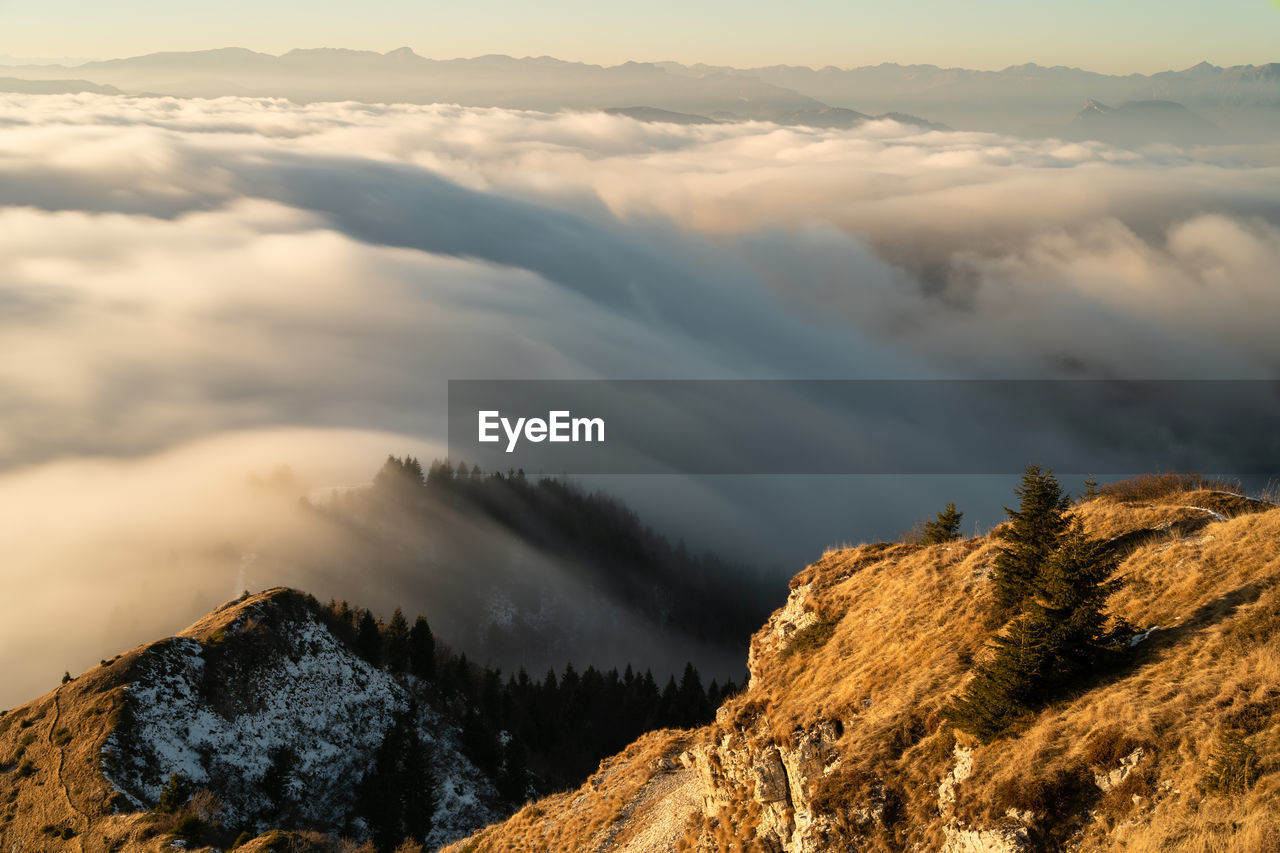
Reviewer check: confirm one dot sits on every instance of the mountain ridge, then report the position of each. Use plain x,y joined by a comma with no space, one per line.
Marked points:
1027,99
841,741
110,738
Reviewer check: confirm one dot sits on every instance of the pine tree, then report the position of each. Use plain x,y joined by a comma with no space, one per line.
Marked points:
422,649
945,528
667,712
174,794
1070,592
397,795
1057,638
513,781
1006,685
440,474
278,779
479,743
398,642
368,640
388,475
413,472
1037,524
1090,487
692,705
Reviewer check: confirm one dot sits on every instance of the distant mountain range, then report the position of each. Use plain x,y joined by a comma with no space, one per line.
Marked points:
1026,98
403,76
1241,101
54,87
1137,122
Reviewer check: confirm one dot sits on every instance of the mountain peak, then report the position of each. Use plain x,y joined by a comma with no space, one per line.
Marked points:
264,681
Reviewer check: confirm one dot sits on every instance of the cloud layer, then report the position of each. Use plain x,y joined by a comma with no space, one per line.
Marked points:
175,272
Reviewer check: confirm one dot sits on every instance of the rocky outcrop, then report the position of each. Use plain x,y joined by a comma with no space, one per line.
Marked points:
1113,778
962,770
1010,840
771,640
778,778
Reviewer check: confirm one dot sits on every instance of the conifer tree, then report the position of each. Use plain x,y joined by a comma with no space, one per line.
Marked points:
278,779
1070,592
513,781
1090,487
668,710
174,794
397,794
398,642
440,474
1036,526
1059,634
422,649
692,702
368,639
387,475
945,528
413,472
1006,685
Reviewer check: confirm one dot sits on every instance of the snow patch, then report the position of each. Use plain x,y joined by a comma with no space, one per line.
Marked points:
307,694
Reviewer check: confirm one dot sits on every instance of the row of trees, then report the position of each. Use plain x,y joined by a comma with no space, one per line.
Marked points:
600,537
1051,582
529,736
395,644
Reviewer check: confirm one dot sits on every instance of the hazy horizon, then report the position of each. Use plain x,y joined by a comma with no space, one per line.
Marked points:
1142,37
10,60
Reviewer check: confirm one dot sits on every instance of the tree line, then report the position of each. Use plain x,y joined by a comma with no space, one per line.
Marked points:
670,584
530,736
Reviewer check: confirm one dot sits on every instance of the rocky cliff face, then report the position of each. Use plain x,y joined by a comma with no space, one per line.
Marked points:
840,743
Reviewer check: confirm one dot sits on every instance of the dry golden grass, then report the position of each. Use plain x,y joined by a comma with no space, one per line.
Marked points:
53,796
902,624
591,818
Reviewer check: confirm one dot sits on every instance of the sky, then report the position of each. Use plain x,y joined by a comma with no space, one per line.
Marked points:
1138,36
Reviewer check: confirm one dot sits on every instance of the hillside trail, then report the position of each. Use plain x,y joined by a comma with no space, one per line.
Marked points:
62,784
654,821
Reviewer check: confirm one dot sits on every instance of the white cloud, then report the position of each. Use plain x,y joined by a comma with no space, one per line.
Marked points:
176,270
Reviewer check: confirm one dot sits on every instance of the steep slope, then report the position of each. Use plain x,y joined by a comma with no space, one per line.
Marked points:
553,573
259,704
840,741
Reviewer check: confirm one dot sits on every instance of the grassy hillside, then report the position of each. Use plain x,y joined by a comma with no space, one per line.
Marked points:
841,741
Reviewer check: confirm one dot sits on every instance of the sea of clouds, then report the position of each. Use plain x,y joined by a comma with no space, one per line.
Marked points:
195,290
